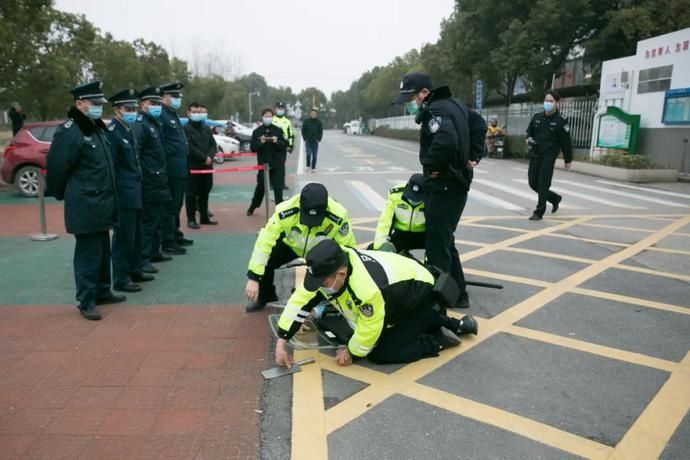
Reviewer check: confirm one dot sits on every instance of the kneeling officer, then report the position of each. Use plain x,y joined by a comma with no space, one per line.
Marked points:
402,221
387,299
296,226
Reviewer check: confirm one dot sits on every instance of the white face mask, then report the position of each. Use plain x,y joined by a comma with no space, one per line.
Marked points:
331,290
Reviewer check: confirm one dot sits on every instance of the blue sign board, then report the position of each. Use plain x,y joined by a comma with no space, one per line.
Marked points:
676,107
479,94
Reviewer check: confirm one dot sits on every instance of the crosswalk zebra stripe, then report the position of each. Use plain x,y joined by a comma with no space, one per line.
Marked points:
367,195
645,189
583,196
635,196
493,201
513,191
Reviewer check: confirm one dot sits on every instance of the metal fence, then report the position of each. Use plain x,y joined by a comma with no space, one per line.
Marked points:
579,112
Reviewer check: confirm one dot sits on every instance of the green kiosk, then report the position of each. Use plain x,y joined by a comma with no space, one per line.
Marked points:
618,130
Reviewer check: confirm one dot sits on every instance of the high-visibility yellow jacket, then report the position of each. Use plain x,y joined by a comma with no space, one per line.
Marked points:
399,214
285,124
380,289
284,224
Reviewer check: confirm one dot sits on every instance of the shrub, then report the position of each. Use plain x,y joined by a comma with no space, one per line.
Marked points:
627,161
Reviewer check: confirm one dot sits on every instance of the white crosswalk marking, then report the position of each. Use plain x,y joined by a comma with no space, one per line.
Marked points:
635,196
480,171
367,195
493,201
583,196
529,195
519,169
645,189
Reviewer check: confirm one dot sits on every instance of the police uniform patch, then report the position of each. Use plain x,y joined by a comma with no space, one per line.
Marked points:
288,213
111,128
434,124
566,128
344,229
328,229
88,138
69,123
140,117
153,130
367,310
125,141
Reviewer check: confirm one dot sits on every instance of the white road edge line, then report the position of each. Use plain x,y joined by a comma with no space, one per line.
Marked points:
300,159
493,201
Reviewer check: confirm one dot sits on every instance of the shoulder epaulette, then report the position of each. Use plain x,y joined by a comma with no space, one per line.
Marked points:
334,218
69,123
397,189
288,212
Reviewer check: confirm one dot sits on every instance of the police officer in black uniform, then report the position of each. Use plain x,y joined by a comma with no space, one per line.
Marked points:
154,168
176,149
270,144
547,133
127,234
80,171
451,145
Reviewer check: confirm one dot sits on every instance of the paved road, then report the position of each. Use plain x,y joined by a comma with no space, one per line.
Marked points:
584,353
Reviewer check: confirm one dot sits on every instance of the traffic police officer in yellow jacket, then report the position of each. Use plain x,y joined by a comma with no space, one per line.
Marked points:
296,226
387,299
284,123
402,220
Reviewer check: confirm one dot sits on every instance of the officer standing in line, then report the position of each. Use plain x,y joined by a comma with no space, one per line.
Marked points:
80,171
296,226
271,146
402,220
154,166
547,133
387,299
127,233
284,123
451,145
177,150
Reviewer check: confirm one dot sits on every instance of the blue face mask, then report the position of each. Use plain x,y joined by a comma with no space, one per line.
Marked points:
95,112
268,121
129,117
280,113
175,102
329,291
155,110
548,106
198,117
412,107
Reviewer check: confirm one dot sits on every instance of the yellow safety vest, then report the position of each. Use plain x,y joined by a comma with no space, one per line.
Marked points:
285,124
399,214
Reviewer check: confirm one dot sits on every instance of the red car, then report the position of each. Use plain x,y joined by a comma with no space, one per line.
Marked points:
26,156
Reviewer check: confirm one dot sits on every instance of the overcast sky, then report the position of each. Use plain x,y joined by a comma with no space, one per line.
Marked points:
298,43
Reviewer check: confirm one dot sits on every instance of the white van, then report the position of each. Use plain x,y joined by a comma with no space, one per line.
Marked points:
354,128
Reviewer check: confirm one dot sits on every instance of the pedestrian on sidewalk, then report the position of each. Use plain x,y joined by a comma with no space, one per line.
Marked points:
547,134
80,171
202,149
312,133
387,299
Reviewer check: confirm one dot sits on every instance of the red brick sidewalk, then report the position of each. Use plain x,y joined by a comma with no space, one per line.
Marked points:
145,382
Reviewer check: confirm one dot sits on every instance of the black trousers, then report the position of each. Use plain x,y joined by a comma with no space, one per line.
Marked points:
281,254
539,175
92,267
410,339
126,253
312,149
170,226
198,188
151,217
405,241
442,212
276,177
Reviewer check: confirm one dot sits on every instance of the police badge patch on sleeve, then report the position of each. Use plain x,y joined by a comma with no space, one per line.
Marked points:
367,310
344,229
434,124
566,128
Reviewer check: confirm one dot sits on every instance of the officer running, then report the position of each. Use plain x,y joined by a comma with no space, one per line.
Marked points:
127,234
387,299
295,227
402,220
176,150
547,133
451,145
156,193
80,171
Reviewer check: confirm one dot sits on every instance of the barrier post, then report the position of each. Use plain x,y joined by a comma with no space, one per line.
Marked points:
43,236
266,191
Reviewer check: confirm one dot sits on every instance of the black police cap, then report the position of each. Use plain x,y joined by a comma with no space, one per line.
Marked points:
323,260
412,83
414,188
313,202
174,89
280,105
92,91
151,93
128,97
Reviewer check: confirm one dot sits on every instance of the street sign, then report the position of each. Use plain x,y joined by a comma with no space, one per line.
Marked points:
479,94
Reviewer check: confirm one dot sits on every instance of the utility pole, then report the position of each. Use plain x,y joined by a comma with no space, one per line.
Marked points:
254,93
